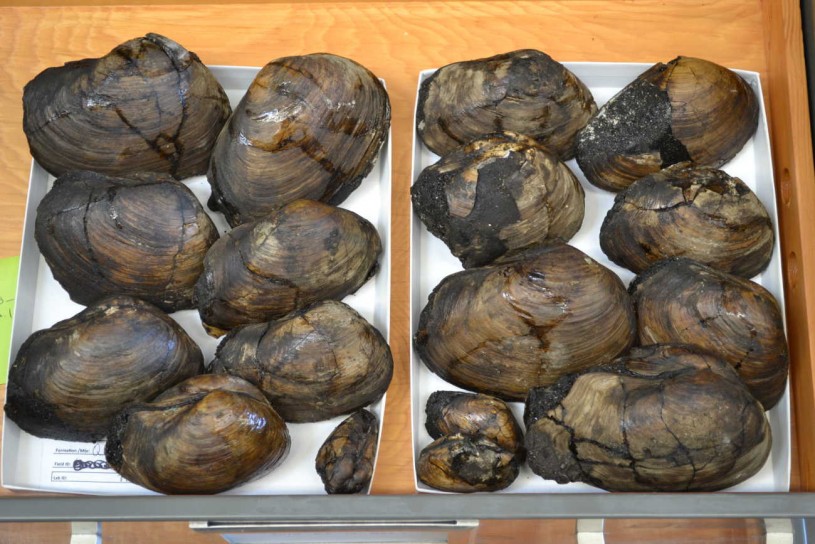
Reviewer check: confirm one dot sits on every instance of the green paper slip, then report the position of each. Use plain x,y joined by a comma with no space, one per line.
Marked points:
8,292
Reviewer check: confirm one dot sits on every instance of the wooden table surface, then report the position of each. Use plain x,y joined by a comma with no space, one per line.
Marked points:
398,39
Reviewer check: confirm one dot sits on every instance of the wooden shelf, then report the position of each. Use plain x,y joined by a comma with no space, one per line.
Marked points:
398,39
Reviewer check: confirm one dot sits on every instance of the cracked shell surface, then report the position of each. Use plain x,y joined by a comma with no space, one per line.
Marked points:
313,364
206,435
345,461
502,329
309,127
299,254
680,300
689,109
698,213
523,91
145,236
464,464
473,415
666,417
69,381
497,196
147,106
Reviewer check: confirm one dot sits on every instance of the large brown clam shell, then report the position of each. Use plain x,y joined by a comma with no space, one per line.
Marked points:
497,196
666,417
505,328
679,300
309,126
147,106
686,110
466,464
145,236
699,213
345,461
474,415
312,364
69,381
208,434
301,253
522,91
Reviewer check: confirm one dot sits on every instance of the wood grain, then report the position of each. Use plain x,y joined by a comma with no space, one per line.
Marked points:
398,39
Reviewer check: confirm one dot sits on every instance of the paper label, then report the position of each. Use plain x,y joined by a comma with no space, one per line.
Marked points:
70,463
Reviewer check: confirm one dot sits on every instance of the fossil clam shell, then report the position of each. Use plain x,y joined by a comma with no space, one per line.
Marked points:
474,415
345,461
69,381
524,91
313,364
497,196
308,127
301,253
679,300
666,417
465,464
145,236
699,213
505,328
207,434
686,110
147,106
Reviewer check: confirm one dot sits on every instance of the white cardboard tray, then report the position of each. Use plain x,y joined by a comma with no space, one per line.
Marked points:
49,465
431,261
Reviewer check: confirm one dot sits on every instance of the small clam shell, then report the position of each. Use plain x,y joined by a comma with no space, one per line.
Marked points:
145,236
205,435
473,415
304,252
523,91
503,329
686,110
497,196
309,126
312,364
680,300
666,417
147,106
463,464
699,213
69,381
345,461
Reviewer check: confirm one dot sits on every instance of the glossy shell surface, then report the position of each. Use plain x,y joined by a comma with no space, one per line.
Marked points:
145,236
147,106
309,126
206,435
69,381
522,91
313,364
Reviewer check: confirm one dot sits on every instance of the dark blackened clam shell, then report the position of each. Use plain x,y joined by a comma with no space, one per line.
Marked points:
497,196
524,91
309,126
699,213
503,329
147,106
313,364
474,415
666,417
208,434
686,110
302,253
69,381
145,236
679,300
463,464
345,461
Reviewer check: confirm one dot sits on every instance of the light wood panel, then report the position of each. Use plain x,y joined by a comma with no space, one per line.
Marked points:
396,40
